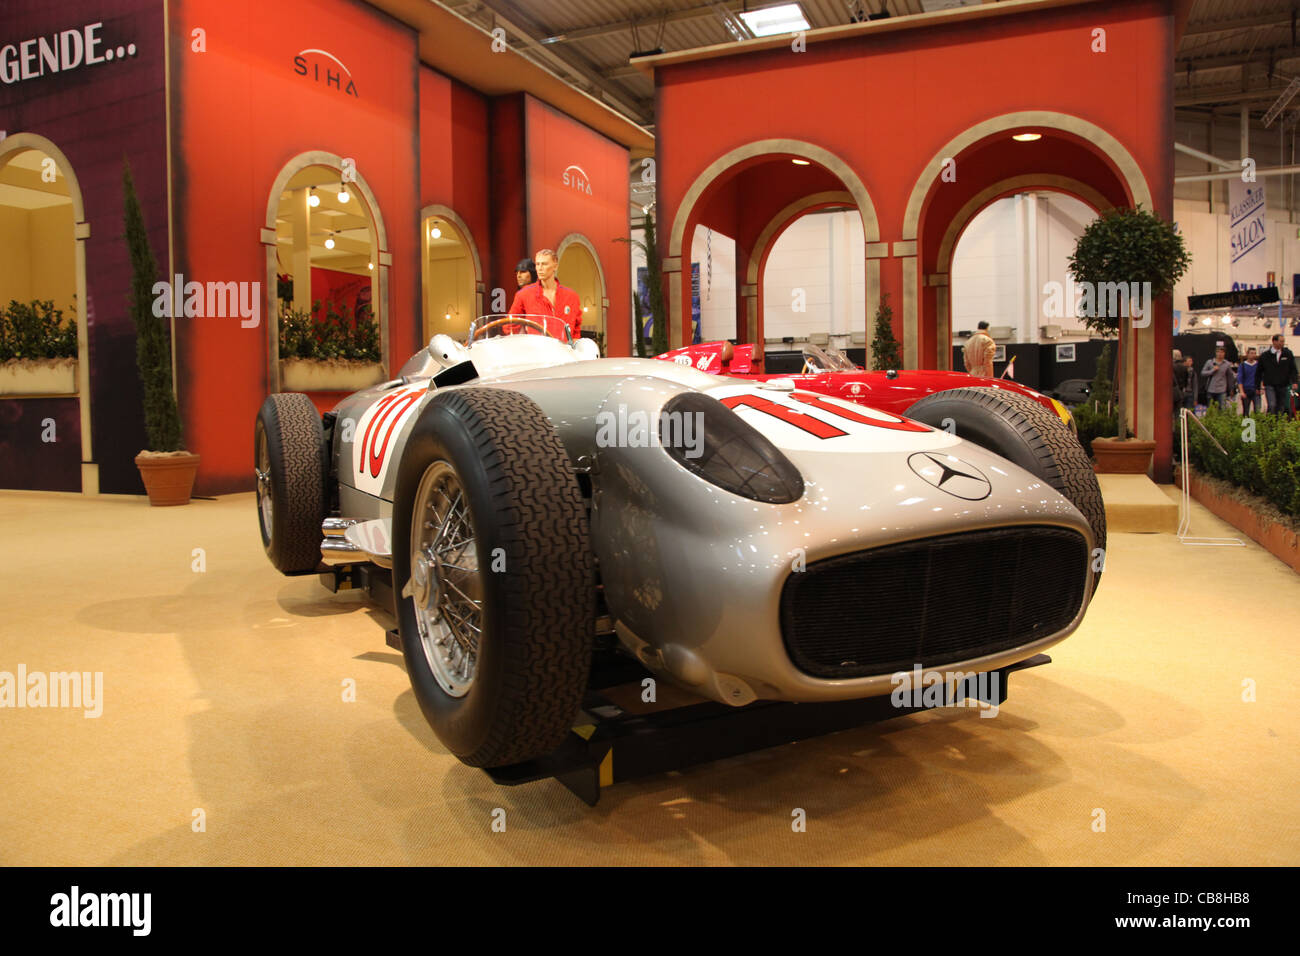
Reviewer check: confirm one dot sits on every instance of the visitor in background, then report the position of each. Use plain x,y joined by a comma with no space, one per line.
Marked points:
979,351
1277,373
1219,380
1248,382
1180,381
1192,387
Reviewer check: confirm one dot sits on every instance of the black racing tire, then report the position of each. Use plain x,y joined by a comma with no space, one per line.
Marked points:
537,619
288,455
1027,434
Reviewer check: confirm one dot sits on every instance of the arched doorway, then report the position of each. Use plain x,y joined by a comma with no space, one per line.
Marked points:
752,193
451,273
43,231
579,268
809,266
326,251
1017,152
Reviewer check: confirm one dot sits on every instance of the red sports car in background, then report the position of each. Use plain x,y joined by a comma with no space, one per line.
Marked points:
829,372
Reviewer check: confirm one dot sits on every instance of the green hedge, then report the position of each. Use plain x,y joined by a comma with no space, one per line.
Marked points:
1094,422
337,335
1269,466
36,330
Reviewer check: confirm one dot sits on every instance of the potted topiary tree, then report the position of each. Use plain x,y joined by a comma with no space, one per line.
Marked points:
166,468
884,345
1125,249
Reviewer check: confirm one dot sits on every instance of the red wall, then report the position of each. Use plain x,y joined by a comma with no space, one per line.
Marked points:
454,148
556,142
887,103
240,113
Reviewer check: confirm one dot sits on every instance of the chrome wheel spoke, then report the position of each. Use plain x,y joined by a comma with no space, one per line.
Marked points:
445,584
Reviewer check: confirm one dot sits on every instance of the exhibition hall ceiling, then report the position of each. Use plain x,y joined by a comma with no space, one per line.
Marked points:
1233,52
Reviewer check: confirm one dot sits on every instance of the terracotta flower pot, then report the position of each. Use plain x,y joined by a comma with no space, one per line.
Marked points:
168,476
1127,457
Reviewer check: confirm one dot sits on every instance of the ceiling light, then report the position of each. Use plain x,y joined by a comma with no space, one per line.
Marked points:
769,21
329,241
801,162
1227,319
1027,137
343,195
371,266
312,198
435,233
1208,320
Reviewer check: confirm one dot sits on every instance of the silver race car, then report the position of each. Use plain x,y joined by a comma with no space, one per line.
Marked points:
742,539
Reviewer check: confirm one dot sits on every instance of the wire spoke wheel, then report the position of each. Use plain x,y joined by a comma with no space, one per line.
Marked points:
265,504
445,583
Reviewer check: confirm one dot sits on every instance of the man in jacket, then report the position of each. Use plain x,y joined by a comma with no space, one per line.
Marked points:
979,351
1277,373
1220,382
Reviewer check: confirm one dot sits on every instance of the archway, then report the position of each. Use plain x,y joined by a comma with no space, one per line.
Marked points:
451,273
1004,154
820,308
325,232
43,233
751,193
580,270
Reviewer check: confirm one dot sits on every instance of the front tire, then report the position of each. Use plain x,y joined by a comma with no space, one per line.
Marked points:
288,454
1024,432
494,574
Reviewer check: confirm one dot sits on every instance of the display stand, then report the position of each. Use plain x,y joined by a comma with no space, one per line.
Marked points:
610,743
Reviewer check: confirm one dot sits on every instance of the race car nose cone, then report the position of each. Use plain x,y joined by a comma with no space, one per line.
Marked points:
948,473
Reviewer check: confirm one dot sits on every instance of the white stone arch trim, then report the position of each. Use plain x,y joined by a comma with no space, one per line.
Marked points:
765,147
578,239
1125,164
383,257
962,219
11,146
446,212
777,225
1130,173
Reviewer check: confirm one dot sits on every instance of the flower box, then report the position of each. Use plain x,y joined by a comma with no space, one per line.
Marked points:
38,377
1248,513
328,375
1130,456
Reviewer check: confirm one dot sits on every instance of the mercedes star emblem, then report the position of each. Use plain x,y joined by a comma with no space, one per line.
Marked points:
959,478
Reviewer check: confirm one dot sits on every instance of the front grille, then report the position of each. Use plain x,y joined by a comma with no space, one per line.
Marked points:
934,601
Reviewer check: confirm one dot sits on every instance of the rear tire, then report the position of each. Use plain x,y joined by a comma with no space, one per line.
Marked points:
1024,432
496,596
288,456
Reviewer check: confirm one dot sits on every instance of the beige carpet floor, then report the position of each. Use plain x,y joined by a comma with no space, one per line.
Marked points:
225,737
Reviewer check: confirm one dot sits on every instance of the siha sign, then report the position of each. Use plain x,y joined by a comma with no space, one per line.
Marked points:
576,179
58,53
318,66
